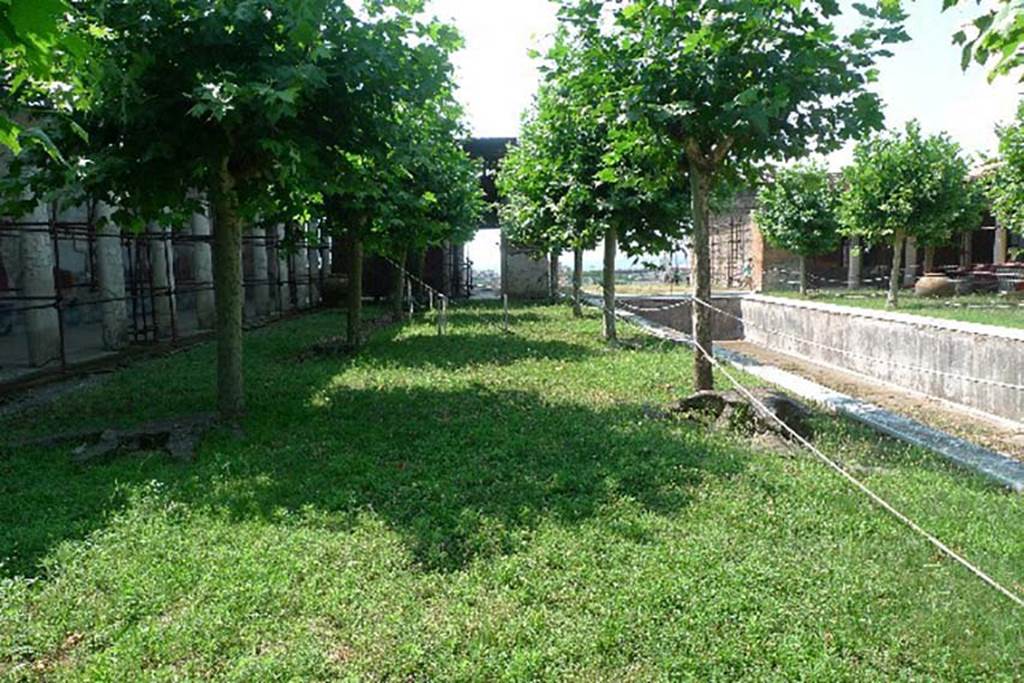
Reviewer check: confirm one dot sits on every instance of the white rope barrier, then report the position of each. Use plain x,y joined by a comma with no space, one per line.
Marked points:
842,472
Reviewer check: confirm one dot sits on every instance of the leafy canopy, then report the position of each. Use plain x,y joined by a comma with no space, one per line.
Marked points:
995,37
583,164
737,83
797,211
1004,185
43,44
906,184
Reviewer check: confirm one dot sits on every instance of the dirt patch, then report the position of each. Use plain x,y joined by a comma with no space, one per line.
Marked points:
990,433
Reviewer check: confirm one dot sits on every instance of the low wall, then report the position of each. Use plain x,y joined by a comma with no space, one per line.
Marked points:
677,313
981,366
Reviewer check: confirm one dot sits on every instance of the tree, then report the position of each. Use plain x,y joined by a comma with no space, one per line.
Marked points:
797,212
1004,183
393,177
215,95
545,182
737,83
592,170
905,185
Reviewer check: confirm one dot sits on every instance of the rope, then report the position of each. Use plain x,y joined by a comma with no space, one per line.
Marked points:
842,472
442,296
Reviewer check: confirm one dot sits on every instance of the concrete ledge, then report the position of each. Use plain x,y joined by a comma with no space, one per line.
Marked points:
995,466
974,365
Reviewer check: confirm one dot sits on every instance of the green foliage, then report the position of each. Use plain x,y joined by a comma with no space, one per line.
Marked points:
484,507
909,185
797,211
584,164
1004,183
44,44
994,38
739,83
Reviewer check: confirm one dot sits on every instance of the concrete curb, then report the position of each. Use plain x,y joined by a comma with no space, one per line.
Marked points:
993,465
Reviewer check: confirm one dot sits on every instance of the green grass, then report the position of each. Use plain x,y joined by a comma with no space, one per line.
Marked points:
988,309
484,507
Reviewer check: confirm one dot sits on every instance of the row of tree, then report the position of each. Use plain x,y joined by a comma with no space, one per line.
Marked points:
304,113
650,112
901,186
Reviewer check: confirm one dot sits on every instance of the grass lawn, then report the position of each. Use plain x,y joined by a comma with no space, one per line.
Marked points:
989,309
484,507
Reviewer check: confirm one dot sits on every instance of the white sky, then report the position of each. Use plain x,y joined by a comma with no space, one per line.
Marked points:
923,80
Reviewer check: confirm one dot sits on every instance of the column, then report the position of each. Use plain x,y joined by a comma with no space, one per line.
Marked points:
41,324
966,250
260,271
110,278
206,310
301,262
284,272
313,253
853,279
999,250
161,261
910,262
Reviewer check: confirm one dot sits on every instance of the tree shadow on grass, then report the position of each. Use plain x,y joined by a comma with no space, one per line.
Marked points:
466,474
459,475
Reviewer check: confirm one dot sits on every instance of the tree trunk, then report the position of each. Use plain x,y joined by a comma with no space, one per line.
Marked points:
577,283
892,301
700,190
929,259
229,294
803,275
355,290
611,245
398,286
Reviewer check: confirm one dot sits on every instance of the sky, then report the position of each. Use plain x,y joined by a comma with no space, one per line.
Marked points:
923,80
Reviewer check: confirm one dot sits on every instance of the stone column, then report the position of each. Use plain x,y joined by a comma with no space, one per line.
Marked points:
313,254
966,250
110,277
161,260
37,272
853,280
285,290
260,271
999,251
202,253
910,262
301,262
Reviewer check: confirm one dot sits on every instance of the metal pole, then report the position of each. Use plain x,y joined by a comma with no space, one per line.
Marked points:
430,297
504,302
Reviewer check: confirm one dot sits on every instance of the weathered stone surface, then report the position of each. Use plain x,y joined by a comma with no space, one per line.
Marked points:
734,411
179,438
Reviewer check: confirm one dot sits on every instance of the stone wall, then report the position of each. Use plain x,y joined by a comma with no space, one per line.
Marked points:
678,314
524,272
961,362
